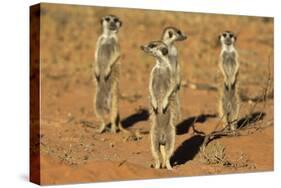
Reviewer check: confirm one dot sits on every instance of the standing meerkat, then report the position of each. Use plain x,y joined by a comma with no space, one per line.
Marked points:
171,35
161,88
106,71
229,103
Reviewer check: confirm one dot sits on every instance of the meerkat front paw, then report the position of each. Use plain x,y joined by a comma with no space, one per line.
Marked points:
178,87
164,105
154,106
97,76
107,73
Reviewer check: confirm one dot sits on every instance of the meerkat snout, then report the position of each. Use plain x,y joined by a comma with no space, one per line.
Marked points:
181,36
227,38
144,48
155,48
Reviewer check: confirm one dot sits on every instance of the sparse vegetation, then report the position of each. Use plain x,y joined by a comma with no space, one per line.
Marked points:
215,154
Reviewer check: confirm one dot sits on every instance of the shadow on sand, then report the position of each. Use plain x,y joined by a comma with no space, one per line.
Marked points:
187,150
250,119
191,147
184,126
140,115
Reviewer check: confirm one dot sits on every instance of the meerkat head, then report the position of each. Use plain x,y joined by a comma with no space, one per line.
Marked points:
227,38
111,23
173,34
156,48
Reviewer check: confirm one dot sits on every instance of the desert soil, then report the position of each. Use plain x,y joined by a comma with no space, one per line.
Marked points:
71,150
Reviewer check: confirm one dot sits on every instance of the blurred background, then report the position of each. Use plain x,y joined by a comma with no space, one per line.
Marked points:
69,34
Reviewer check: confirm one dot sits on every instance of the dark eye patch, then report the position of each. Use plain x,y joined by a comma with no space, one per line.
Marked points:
107,19
170,34
179,32
151,45
115,20
224,34
231,35
164,51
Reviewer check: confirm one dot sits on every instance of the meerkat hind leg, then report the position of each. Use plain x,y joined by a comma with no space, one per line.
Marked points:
169,149
102,127
164,156
116,124
233,126
114,117
155,147
168,152
223,113
178,108
157,159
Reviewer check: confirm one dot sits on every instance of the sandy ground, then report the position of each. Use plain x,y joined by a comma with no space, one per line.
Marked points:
70,149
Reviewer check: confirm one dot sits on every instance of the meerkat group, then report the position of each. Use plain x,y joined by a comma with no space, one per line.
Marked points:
164,85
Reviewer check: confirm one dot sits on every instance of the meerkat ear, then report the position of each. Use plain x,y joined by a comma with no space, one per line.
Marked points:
219,37
164,51
101,20
235,38
120,22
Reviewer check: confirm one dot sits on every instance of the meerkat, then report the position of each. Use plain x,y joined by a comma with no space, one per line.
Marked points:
229,103
106,73
171,35
161,88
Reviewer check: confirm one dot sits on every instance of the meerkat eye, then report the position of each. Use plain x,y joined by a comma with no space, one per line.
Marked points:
164,51
107,19
224,34
151,45
170,34
179,32
115,20
231,35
